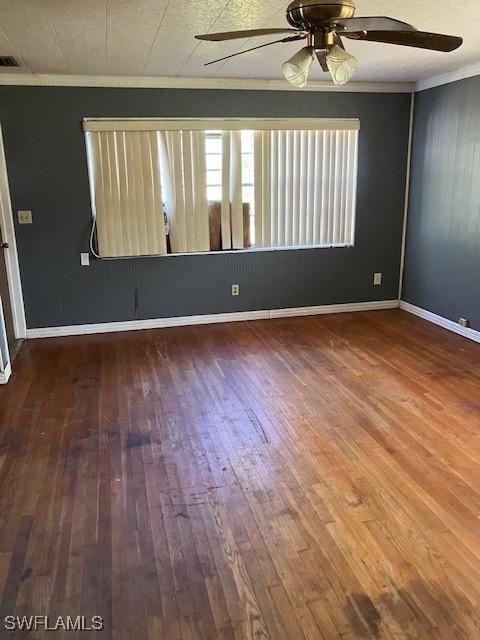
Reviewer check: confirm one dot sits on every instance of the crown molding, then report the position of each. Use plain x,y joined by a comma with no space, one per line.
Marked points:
242,84
445,78
245,84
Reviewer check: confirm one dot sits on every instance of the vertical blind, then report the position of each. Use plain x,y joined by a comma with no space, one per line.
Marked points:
232,203
183,167
125,182
304,186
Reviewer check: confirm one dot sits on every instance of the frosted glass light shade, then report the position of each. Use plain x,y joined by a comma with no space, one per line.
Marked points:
296,69
342,65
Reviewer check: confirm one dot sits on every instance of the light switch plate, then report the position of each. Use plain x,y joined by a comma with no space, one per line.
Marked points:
24,217
85,259
377,279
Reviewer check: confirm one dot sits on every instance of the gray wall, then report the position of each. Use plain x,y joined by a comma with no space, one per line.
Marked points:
443,243
47,168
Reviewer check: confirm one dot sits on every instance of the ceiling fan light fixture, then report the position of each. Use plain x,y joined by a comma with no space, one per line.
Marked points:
325,23
342,65
297,68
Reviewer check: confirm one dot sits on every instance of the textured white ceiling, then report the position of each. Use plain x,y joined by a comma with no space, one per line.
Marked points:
156,37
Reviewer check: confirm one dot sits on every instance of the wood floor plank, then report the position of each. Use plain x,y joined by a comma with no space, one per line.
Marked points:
298,479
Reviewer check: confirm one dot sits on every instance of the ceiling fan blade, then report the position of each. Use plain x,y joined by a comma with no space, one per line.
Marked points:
249,33
322,53
375,23
239,53
322,58
419,39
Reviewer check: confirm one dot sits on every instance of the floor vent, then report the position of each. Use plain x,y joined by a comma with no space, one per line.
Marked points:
8,61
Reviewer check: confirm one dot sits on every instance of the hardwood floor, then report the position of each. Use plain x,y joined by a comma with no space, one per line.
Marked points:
314,478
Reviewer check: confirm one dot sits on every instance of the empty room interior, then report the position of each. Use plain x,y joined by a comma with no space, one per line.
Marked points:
240,319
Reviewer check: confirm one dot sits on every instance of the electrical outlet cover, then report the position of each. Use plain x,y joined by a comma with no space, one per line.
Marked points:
24,217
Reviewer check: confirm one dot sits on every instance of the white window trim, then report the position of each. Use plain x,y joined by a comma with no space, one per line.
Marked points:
226,124
223,252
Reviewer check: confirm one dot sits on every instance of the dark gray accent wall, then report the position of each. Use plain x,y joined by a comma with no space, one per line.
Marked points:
48,174
442,271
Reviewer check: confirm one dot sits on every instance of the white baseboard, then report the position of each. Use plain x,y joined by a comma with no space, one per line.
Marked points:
5,374
333,308
471,334
161,323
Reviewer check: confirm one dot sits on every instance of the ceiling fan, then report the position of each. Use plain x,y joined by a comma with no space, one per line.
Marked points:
323,25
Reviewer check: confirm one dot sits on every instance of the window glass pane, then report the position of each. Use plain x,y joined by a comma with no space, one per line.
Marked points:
248,194
213,146
214,178
247,141
214,161
213,142
214,193
247,169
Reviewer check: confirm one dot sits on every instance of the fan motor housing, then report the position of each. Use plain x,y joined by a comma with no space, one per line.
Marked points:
308,15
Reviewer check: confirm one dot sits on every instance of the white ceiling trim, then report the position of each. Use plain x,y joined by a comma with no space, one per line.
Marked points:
445,78
53,80
141,82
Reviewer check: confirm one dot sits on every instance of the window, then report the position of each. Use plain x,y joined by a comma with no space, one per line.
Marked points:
163,186
248,180
214,165
214,156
